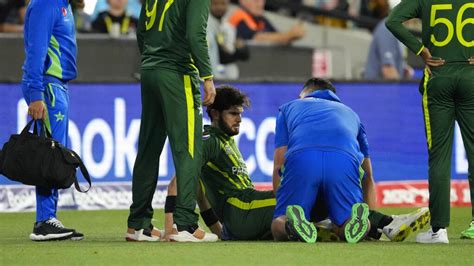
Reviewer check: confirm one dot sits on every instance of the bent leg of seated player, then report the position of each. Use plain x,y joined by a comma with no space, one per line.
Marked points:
248,216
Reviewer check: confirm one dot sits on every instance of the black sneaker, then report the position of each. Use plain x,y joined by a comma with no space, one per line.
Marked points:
52,229
76,236
297,227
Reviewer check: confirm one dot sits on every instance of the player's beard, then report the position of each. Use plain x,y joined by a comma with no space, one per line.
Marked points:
223,126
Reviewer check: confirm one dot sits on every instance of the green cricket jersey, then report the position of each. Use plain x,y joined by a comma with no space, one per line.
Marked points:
447,27
224,172
172,35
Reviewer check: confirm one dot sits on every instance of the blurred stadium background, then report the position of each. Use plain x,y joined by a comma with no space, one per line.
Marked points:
105,105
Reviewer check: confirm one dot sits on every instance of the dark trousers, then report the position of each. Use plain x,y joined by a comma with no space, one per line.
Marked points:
448,96
171,106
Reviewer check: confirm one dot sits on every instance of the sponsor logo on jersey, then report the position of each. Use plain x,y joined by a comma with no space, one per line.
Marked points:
228,150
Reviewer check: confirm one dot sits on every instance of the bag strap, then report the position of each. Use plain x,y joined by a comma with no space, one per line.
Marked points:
84,172
44,132
27,127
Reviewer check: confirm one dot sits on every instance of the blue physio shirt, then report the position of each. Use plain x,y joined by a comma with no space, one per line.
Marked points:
50,45
321,121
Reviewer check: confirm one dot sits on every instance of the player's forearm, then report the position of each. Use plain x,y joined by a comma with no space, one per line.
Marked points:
196,24
12,28
368,185
210,219
404,11
278,161
274,37
202,201
275,180
170,205
216,229
141,29
369,193
405,36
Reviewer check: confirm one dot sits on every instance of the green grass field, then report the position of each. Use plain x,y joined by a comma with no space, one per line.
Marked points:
104,245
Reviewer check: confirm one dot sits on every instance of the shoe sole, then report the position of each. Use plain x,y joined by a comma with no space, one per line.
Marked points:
133,238
51,237
418,224
358,225
463,236
188,237
306,231
436,241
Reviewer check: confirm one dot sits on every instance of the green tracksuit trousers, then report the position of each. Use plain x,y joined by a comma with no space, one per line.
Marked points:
171,106
448,96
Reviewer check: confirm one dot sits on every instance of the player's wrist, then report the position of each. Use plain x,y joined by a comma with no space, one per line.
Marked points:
208,78
209,217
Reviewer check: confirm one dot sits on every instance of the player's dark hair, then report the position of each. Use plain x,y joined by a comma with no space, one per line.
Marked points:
314,84
226,97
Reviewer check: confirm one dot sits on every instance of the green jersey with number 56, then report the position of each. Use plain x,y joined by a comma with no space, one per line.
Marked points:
171,34
447,27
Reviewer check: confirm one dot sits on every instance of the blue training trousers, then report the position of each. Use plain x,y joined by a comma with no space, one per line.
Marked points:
56,97
308,172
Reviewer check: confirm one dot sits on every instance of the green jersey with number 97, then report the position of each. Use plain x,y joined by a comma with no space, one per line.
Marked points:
171,35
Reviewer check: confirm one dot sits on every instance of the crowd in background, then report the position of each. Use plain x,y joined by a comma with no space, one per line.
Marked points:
229,32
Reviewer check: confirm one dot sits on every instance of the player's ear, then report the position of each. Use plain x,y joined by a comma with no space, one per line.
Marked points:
215,114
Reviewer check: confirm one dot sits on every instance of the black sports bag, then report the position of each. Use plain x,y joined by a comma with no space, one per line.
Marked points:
39,160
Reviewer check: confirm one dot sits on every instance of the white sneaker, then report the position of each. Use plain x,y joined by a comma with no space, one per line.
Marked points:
431,237
143,235
403,225
198,236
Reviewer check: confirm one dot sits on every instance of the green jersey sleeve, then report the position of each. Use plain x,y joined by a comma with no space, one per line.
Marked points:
141,29
196,24
407,9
